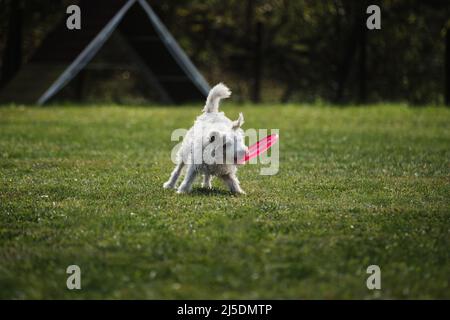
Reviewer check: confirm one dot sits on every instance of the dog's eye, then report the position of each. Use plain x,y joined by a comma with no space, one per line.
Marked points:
212,138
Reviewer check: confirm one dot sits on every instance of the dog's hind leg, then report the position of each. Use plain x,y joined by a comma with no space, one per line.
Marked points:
233,183
186,185
170,184
207,181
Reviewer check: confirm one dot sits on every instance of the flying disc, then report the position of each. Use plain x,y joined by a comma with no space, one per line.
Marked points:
259,147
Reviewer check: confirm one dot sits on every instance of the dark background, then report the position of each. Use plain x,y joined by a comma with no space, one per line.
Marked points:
280,50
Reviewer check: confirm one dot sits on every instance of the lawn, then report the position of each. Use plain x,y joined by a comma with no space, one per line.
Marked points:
357,186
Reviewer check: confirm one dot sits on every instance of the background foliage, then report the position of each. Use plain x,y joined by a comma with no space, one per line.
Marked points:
280,50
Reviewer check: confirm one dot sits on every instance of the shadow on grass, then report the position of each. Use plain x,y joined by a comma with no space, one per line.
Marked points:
210,192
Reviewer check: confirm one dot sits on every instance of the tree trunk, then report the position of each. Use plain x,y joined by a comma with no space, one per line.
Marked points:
258,63
345,66
362,94
12,54
447,67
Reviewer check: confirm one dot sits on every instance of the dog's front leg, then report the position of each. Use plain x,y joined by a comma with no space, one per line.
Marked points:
170,184
233,183
207,181
186,185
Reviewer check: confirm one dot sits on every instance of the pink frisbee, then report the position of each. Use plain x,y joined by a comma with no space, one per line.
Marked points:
259,147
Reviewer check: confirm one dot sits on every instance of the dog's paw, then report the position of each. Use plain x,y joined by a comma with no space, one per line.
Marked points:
182,190
240,192
168,185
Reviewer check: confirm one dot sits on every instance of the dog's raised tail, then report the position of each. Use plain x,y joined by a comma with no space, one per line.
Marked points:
217,93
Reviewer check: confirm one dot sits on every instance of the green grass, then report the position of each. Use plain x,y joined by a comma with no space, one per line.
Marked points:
356,186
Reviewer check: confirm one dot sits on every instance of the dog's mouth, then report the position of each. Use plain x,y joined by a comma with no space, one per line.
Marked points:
237,160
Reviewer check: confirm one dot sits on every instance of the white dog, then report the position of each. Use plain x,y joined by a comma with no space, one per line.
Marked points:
212,146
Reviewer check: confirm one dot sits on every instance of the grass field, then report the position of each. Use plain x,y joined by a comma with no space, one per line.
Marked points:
356,186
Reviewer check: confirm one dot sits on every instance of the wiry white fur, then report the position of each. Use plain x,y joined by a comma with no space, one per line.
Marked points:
226,132
220,91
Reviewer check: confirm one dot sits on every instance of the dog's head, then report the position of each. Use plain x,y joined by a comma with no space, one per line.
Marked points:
226,145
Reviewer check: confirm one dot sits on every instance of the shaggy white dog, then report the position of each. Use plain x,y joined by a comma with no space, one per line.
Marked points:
213,146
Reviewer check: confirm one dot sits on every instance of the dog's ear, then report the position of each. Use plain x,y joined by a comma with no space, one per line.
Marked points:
239,122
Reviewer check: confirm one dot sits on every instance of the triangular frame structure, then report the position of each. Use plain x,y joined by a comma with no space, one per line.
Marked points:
188,70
